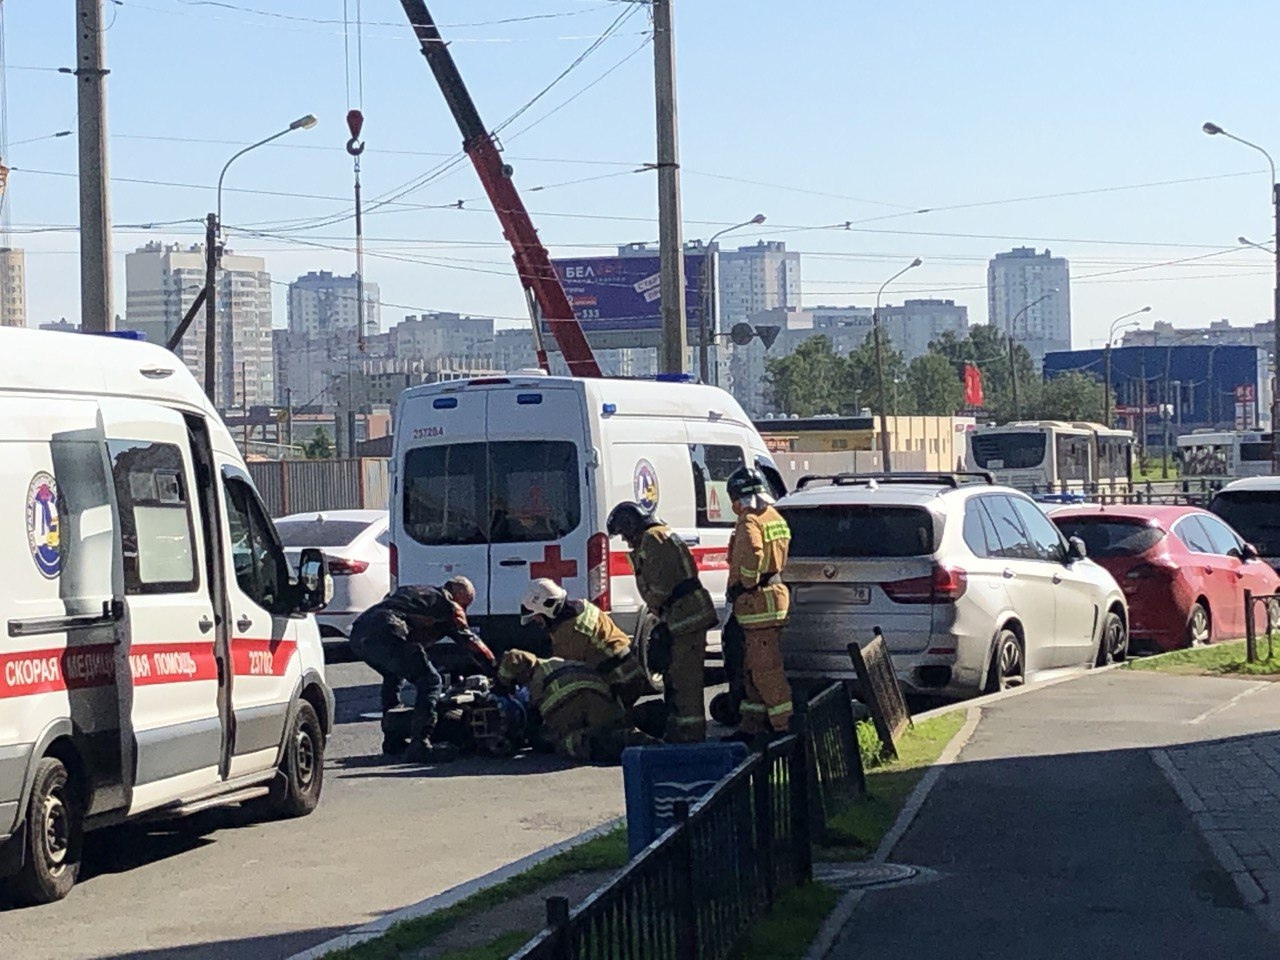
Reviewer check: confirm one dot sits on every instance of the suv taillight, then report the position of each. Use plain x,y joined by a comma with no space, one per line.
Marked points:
598,570
943,585
393,560
339,567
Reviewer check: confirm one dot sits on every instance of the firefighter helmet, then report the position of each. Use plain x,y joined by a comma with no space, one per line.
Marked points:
543,598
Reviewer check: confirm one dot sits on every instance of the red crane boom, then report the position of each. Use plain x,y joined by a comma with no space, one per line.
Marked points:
533,264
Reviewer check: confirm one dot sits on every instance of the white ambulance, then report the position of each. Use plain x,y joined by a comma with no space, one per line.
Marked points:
156,656
508,479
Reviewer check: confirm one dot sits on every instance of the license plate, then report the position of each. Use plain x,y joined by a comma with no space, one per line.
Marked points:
838,596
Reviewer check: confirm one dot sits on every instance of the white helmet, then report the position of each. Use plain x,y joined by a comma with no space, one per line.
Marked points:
543,598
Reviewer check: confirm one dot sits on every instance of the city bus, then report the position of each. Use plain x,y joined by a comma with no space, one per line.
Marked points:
1044,456
1225,453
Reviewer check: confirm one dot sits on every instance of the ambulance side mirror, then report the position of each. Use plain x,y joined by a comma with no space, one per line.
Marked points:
315,583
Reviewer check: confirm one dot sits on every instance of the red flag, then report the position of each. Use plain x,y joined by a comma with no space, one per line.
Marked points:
972,386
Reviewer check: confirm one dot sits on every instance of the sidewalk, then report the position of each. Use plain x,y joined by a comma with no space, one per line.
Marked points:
1056,834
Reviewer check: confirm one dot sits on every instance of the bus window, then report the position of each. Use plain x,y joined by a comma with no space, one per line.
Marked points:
1008,451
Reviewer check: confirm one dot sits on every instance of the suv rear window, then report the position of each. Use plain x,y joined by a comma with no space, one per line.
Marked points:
319,533
861,531
1255,515
1111,536
502,492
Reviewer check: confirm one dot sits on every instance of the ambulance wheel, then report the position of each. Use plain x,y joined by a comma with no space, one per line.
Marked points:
724,710
54,836
296,790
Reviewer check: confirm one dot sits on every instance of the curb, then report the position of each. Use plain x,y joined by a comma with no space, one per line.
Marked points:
829,934
452,896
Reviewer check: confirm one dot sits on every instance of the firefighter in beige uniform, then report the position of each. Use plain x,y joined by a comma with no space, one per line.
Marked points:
667,580
579,630
757,557
581,718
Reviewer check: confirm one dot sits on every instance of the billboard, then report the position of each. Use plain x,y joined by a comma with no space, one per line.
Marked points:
618,301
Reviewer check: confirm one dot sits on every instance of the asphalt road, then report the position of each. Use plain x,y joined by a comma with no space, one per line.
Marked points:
1056,836
219,886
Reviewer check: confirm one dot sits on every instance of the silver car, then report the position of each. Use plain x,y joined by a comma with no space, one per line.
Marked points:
972,585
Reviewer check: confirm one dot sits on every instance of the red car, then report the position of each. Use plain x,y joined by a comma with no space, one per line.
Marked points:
1182,570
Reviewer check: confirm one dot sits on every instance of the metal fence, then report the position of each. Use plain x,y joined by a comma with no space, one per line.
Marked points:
693,892
1271,602
836,777
300,486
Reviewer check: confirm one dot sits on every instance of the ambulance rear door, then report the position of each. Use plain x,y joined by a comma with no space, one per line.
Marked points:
440,502
543,501
171,640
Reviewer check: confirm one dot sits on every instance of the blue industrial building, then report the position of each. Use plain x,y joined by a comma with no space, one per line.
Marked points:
1204,386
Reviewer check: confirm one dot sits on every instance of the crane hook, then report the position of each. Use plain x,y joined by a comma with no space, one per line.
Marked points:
355,123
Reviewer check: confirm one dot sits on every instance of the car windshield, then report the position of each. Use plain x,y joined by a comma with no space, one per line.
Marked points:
1112,536
1008,451
319,532
860,531
1255,515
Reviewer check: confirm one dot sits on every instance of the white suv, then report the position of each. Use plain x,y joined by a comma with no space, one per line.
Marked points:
972,585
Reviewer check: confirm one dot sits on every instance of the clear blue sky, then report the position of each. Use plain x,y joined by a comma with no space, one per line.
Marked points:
876,109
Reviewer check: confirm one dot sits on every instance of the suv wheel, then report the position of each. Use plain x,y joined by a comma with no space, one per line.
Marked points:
1008,667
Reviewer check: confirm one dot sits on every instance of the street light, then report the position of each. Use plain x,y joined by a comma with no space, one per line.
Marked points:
213,254
1246,242
875,323
1117,324
1214,130
1013,370
706,320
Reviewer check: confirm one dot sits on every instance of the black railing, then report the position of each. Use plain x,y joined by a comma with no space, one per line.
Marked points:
1251,601
836,777
693,892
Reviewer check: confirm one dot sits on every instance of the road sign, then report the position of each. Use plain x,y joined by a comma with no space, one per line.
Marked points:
617,300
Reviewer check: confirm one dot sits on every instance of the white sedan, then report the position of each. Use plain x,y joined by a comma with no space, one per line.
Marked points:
356,543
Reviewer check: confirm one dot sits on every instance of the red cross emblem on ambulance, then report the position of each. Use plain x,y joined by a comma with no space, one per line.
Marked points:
553,566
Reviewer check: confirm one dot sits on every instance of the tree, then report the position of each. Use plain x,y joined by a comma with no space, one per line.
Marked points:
988,349
935,386
1072,396
319,447
808,381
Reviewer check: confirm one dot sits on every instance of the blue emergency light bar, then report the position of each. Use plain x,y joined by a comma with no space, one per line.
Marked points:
119,334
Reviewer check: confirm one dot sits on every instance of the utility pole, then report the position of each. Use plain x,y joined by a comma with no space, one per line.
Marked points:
288,418
1142,409
1275,344
210,310
671,357
96,312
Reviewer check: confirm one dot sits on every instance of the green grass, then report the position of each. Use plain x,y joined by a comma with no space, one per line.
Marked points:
1215,660
786,932
499,948
606,852
855,833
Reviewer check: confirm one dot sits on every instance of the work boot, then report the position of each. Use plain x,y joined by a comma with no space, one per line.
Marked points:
424,751
394,746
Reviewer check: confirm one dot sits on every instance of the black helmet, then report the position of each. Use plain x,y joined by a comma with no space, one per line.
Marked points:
746,482
627,519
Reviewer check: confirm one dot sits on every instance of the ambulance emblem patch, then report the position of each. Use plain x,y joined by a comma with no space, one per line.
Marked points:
42,525
645,485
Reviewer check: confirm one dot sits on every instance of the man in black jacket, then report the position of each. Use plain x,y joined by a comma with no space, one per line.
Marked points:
394,637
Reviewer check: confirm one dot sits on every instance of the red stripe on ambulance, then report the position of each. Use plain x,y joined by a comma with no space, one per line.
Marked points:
261,658
708,559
